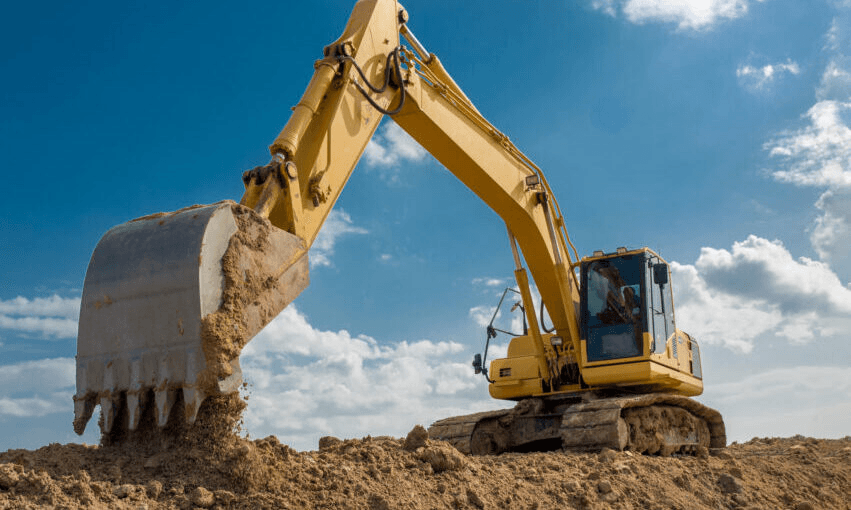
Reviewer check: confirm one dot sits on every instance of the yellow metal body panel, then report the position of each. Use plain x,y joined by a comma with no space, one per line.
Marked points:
515,377
646,373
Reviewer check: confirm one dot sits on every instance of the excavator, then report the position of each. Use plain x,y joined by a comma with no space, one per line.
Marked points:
170,299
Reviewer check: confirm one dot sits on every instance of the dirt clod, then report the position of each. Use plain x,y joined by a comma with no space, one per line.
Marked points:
153,489
327,442
202,497
442,457
417,438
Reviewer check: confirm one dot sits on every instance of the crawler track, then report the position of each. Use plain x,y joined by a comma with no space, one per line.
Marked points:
458,430
642,423
653,424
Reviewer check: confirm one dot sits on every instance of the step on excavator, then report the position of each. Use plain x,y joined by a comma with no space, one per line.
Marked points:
170,299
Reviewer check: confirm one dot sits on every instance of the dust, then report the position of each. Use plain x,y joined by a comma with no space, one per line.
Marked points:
381,472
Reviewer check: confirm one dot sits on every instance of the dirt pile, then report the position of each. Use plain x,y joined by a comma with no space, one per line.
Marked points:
213,469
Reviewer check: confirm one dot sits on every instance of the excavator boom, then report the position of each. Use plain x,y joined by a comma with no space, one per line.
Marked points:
170,299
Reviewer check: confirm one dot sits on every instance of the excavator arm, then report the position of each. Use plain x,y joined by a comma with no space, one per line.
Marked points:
170,299
366,74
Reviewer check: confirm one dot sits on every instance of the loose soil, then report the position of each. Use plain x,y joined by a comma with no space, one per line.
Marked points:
264,269
215,468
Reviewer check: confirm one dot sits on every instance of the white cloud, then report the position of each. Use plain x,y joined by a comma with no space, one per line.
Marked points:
687,14
390,147
838,35
760,269
53,306
819,154
836,79
51,317
30,375
26,391
831,233
607,6
786,383
31,407
759,78
716,317
490,282
307,383
808,400
337,224
756,291
482,315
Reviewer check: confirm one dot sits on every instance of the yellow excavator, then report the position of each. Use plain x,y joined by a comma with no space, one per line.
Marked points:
170,299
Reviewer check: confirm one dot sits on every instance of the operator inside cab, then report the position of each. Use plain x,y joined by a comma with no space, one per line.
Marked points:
613,321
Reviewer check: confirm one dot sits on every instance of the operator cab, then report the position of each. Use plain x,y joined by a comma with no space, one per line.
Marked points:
626,300
628,338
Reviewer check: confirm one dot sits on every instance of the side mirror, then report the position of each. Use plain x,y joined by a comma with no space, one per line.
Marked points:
477,363
660,273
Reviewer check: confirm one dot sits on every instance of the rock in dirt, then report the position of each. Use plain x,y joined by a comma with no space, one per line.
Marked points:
729,485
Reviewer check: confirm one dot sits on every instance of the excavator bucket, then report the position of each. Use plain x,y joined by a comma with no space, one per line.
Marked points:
170,300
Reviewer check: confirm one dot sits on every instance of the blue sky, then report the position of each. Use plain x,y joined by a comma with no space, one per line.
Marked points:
716,132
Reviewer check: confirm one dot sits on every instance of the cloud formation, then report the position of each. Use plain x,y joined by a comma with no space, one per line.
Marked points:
808,400
490,282
52,317
482,314
25,391
307,383
831,232
759,78
687,14
390,147
338,224
758,290
820,153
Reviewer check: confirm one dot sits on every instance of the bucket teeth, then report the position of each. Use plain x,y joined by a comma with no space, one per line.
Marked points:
149,286
83,410
164,401
107,409
135,405
192,399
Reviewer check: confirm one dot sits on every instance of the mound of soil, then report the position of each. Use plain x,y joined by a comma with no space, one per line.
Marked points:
215,468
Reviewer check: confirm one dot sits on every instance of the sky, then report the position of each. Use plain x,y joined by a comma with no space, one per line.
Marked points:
717,132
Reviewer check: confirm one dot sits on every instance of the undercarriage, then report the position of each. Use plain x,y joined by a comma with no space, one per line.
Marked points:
651,424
